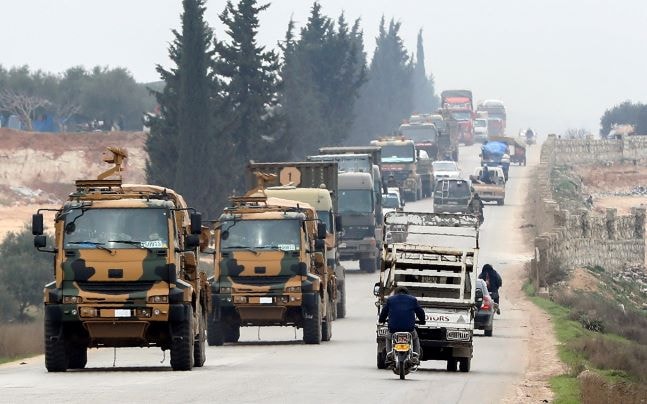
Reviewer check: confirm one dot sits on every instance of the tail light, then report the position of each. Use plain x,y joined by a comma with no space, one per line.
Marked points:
487,303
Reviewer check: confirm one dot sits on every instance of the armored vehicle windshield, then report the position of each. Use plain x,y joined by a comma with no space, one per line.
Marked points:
279,234
115,228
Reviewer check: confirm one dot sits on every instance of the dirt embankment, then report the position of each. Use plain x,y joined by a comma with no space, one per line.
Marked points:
38,170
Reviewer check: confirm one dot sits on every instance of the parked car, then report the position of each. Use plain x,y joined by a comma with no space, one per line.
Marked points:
484,318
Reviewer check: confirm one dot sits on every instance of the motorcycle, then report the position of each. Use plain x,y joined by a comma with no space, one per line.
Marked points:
402,363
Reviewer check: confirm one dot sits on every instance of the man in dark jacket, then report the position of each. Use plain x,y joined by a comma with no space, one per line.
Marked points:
493,281
401,310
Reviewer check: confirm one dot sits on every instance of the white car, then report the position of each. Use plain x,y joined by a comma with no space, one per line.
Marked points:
446,169
390,203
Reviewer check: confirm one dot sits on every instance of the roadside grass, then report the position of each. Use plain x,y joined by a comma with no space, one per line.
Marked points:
611,356
20,340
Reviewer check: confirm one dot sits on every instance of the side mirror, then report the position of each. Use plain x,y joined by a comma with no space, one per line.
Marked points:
37,224
338,223
479,298
196,223
321,230
40,241
191,241
320,245
377,288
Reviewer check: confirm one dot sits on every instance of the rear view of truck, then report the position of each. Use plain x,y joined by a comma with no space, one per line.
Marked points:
438,264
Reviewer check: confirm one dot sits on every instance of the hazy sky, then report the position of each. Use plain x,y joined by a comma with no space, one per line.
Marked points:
556,64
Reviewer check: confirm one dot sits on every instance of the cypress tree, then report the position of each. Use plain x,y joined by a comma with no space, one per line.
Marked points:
424,99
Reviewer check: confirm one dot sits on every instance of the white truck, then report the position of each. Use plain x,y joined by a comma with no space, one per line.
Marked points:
438,265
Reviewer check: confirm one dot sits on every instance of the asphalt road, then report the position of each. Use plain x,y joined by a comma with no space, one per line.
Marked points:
272,365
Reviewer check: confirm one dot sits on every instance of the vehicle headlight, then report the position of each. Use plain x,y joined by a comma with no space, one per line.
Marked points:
225,289
72,299
293,289
158,299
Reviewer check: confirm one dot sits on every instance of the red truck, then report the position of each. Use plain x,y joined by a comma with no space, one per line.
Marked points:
460,106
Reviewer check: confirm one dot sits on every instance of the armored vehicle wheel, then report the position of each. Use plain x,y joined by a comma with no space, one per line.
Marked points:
488,333
182,339
232,333
367,265
55,357
326,325
341,301
312,325
381,360
200,344
464,364
452,365
78,357
215,332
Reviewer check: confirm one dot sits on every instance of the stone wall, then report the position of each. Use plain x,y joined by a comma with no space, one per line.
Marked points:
584,238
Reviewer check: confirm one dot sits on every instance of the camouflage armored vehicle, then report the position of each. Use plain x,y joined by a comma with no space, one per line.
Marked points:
270,269
125,266
314,183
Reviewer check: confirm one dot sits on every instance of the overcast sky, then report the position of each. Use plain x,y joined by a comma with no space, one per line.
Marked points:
557,64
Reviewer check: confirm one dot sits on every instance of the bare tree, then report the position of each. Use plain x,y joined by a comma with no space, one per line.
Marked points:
576,133
64,111
22,105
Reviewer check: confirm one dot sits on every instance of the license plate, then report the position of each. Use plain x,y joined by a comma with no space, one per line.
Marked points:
401,347
265,300
381,332
122,312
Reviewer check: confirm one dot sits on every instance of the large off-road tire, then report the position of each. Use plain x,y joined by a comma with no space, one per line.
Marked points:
488,333
182,340
341,301
367,265
55,356
464,364
77,356
326,325
200,344
232,332
312,325
452,365
215,332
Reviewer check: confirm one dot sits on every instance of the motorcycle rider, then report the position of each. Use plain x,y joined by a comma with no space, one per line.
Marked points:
493,281
401,310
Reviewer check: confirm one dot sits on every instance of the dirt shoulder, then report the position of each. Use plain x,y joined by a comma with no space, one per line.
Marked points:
542,361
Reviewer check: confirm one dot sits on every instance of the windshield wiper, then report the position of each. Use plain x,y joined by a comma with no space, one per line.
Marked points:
100,246
132,242
241,247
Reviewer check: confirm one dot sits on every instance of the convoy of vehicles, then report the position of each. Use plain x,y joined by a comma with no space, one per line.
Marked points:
125,269
438,264
270,268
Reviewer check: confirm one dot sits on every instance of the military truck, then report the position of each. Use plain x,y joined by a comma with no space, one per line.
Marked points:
314,183
404,167
125,268
269,269
356,206
438,264
360,208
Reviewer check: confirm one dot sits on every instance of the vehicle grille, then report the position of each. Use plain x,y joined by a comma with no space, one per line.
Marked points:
260,280
357,232
116,288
